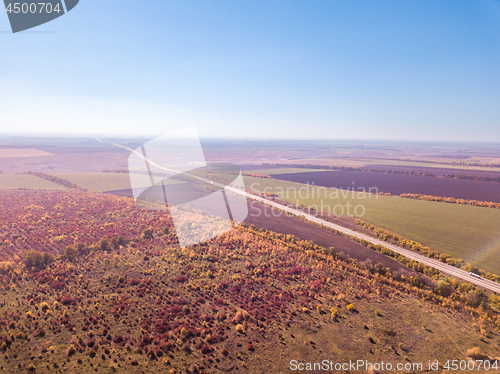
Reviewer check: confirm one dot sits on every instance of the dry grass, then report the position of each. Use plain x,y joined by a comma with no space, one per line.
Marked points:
102,182
17,181
249,301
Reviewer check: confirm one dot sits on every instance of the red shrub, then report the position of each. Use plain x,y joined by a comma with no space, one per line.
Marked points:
57,285
206,349
118,339
134,282
181,279
68,300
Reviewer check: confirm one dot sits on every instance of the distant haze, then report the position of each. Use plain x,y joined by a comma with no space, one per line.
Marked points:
423,70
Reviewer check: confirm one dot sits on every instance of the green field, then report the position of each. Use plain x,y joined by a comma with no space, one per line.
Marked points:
102,182
462,231
15,181
282,171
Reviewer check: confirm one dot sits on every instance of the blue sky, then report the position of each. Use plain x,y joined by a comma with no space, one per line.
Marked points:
421,70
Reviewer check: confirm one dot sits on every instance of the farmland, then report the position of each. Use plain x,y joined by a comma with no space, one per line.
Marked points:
397,184
440,170
125,298
16,181
265,218
392,163
466,232
461,231
102,182
19,152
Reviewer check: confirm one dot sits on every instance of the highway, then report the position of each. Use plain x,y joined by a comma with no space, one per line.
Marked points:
445,268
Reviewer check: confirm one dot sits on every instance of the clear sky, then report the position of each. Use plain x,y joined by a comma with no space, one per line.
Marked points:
412,69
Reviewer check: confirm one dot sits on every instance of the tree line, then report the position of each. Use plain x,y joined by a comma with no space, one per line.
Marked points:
472,177
56,180
349,168
487,204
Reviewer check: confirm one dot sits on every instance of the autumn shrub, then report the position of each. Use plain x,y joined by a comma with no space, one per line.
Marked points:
238,317
167,346
81,249
118,339
474,297
158,352
239,328
334,312
40,332
70,252
175,310
104,245
206,349
44,306
187,348
6,267
181,279
71,350
134,282
235,289
37,260
68,300
147,234
443,288
151,354
145,341
57,285
476,354
351,307
388,332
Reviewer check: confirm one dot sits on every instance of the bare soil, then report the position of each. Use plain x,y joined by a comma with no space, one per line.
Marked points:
397,184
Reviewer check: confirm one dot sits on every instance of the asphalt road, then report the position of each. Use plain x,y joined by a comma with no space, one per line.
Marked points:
445,268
